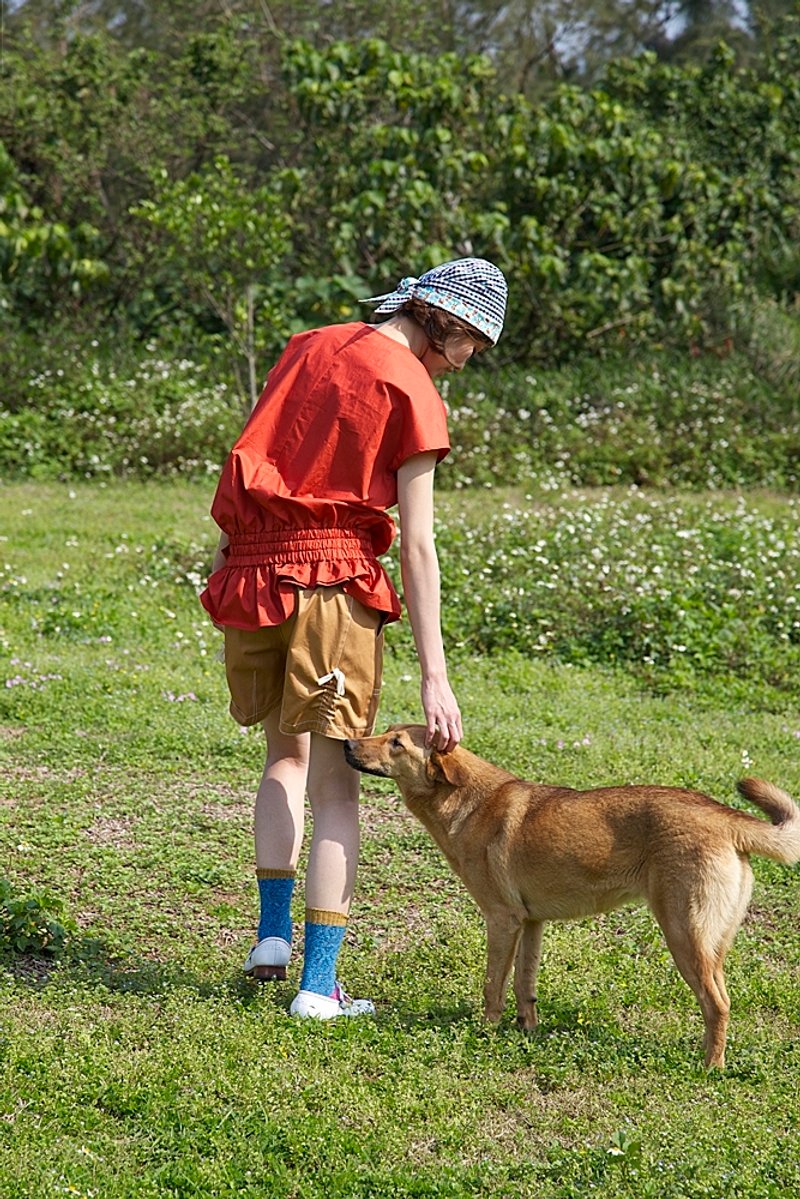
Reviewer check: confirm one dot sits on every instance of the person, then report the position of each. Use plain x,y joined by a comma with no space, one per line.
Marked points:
349,425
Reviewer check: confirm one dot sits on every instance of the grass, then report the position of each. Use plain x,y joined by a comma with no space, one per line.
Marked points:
140,1064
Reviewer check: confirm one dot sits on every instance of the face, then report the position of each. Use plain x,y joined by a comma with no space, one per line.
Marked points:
459,349
398,753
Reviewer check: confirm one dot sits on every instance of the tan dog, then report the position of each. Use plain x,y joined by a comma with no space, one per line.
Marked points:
530,853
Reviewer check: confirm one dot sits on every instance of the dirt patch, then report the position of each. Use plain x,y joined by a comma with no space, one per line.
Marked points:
12,732
109,830
40,774
379,814
239,812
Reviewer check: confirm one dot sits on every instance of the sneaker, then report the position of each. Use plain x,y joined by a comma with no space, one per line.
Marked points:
268,959
328,1007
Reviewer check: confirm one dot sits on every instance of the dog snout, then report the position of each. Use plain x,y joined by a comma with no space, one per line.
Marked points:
361,760
350,753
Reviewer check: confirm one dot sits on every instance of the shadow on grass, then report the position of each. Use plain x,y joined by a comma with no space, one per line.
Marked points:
435,1016
556,1018
94,963
566,1038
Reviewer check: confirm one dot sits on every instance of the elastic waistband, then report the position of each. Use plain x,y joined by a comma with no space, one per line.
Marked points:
298,545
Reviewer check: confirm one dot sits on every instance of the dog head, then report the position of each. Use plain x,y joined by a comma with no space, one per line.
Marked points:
401,754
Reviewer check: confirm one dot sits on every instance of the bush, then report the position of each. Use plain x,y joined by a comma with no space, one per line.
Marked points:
662,419
671,588
91,421
617,212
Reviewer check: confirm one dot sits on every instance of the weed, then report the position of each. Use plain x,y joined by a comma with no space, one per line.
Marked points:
33,923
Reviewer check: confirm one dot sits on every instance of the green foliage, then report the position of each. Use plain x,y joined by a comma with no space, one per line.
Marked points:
659,419
613,216
33,923
642,207
87,419
228,242
398,191
40,257
771,335
92,128
70,124
672,590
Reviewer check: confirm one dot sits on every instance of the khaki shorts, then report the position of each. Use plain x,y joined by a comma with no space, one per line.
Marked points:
322,667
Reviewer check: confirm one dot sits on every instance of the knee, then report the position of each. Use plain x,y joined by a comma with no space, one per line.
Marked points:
341,797
288,754
289,748
292,763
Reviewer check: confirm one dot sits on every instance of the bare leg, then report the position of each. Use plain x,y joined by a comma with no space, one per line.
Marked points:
280,800
526,970
333,788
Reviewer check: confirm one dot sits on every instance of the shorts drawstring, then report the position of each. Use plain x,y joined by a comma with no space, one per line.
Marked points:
337,674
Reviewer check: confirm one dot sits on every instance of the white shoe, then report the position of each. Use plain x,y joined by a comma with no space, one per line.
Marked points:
308,1004
268,959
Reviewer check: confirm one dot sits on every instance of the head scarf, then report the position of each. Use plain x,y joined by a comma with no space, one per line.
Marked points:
471,288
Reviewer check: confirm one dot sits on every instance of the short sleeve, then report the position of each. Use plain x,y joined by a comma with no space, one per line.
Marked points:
423,425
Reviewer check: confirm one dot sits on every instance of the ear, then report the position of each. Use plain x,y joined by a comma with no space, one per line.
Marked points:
445,768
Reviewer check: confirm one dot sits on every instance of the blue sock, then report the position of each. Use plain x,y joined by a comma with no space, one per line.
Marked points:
275,889
324,935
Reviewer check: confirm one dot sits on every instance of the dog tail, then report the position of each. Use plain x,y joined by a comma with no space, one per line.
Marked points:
780,839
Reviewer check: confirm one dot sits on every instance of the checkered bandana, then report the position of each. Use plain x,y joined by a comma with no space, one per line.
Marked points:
470,288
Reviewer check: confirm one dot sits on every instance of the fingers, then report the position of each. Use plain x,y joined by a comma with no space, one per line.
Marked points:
445,739
444,732
443,729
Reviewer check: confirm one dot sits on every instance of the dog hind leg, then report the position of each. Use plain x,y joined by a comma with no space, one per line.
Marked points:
730,920
699,924
526,970
702,972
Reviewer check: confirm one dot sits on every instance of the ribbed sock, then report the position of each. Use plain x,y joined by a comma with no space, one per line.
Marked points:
324,935
275,889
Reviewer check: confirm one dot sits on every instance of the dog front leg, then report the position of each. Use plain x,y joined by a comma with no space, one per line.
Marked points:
526,970
502,936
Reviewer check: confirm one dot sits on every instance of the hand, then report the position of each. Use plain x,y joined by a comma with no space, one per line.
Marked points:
442,715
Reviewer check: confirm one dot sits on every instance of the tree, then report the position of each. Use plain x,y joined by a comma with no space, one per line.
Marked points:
533,43
42,261
227,240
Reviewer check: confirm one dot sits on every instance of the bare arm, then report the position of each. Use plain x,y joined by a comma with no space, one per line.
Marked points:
217,564
419,566
219,557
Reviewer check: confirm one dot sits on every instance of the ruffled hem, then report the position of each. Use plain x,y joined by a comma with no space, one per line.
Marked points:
253,596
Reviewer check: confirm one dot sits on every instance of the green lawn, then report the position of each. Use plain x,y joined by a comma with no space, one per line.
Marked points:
141,1064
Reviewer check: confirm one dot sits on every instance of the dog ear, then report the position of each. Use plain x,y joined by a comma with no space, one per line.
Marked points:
445,768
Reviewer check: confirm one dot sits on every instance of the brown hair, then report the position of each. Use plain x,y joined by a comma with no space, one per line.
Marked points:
437,325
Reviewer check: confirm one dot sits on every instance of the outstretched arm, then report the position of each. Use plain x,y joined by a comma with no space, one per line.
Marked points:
419,566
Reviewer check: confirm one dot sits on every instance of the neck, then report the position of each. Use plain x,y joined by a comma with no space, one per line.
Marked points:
449,804
405,330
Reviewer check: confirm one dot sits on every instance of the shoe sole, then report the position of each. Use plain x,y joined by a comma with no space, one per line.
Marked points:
268,974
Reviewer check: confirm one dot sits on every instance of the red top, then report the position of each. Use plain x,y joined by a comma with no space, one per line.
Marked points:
304,492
